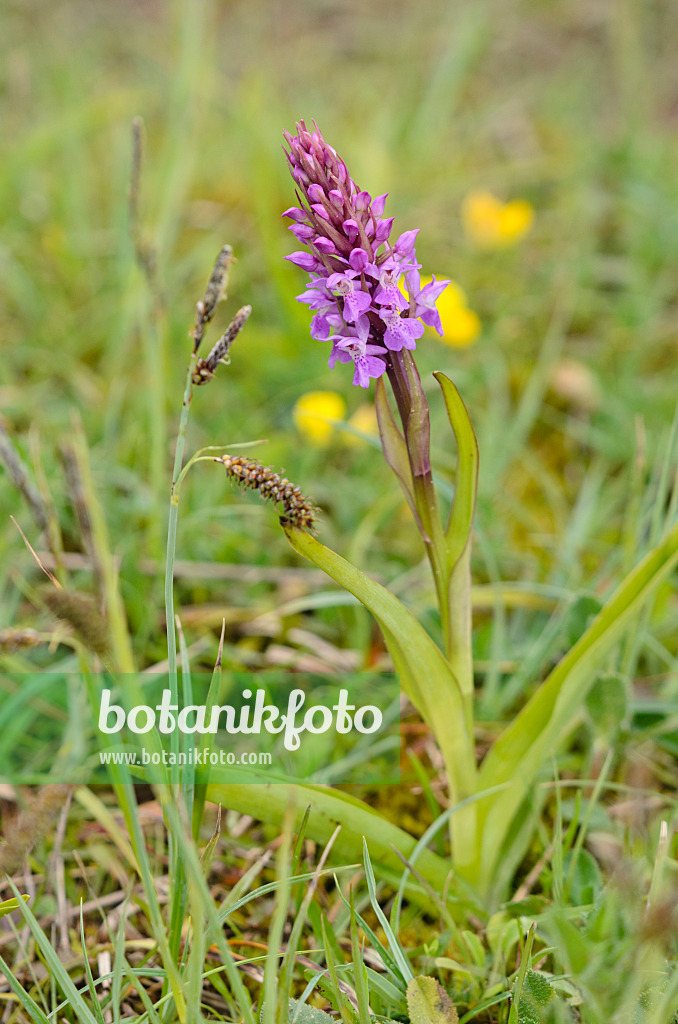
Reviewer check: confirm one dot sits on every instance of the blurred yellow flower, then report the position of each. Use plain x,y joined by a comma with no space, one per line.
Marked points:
492,224
365,419
314,411
461,326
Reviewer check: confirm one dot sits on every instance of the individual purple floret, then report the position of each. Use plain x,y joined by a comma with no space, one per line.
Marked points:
424,299
352,344
357,274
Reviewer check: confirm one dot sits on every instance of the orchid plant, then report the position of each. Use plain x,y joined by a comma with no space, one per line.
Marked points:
365,295
355,289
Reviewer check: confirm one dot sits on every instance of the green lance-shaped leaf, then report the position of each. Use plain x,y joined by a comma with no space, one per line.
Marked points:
426,676
429,1003
460,523
329,808
458,543
546,719
9,905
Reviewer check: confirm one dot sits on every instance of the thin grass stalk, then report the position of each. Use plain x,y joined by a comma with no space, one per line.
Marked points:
175,864
271,988
285,978
121,646
359,972
153,330
172,529
214,931
200,788
125,794
178,893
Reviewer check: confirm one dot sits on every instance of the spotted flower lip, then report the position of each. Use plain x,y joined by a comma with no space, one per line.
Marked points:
357,273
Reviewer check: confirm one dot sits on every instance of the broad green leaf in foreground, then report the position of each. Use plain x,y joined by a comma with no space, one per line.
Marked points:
329,808
518,754
429,1003
458,534
9,905
426,676
459,525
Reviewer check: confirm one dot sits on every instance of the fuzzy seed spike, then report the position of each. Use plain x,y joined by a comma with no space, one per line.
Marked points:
251,474
205,368
214,293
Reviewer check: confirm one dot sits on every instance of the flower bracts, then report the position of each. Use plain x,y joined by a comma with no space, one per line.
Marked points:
355,271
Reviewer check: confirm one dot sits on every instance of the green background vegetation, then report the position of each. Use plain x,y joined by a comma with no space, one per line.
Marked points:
571,105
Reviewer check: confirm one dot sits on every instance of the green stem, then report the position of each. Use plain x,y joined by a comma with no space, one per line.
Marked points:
176,865
414,414
172,530
449,557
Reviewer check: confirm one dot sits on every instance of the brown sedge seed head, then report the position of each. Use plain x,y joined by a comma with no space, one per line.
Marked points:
250,473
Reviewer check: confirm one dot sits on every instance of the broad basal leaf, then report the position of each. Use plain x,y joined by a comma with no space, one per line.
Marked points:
429,1003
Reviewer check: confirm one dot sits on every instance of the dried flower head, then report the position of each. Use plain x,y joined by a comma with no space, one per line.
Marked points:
82,612
249,473
356,271
214,292
12,639
205,368
30,825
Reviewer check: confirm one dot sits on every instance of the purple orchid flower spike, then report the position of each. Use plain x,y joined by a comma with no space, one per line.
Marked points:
357,275
366,296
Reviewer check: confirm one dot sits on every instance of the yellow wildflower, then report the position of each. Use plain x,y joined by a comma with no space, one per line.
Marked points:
314,412
364,419
461,325
492,224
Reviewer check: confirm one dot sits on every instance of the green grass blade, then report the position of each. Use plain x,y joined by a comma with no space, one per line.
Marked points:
270,991
196,878
501,997
340,999
396,950
387,958
88,970
227,908
30,1006
54,965
387,990
118,962
520,980
9,905
359,972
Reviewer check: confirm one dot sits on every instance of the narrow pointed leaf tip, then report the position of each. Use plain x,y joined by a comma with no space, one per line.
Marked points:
460,521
